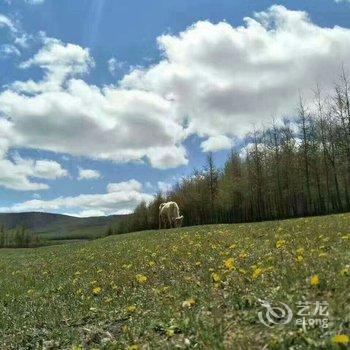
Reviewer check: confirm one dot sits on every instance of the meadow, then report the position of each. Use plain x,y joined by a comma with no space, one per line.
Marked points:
190,288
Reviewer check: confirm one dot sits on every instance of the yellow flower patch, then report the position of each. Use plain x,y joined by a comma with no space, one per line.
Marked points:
280,244
189,303
257,272
96,290
314,280
341,339
299,258
142,279
229,264
131,309
215,277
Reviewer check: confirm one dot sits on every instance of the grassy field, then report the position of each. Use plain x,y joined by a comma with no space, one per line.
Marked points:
187,288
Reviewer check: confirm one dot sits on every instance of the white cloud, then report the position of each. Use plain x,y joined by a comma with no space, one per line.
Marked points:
30,2
89,213
81,119
216,78
114,65
18,38
121,198
251,147
164,187
17,174
216,143
6,22
60,62
9,50
35,2
15,177
88,174
128,186
48,169
225,78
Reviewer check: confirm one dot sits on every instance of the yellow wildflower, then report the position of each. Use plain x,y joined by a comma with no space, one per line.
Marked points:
280,244
134,347
97,290
257,272
141,278
131,308
243,255
215,277
345,271
314,280
189,303
170,333
229,264
341,339
299,258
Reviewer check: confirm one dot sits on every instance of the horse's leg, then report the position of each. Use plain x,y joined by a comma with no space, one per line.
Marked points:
169,219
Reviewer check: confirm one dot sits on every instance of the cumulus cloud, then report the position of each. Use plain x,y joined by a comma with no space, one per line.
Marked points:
214,81
81,119
17,174
88,174
59,61
164,187
121,197
225,78
130,185
216,143
48,169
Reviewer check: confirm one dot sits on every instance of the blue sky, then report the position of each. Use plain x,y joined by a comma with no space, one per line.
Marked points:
72,50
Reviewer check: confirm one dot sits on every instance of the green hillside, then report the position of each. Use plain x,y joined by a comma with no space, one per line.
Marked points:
189,288
57,226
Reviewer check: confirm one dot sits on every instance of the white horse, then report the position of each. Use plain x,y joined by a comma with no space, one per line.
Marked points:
170,212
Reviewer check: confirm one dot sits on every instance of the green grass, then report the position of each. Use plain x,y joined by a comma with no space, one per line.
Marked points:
77,233
88,294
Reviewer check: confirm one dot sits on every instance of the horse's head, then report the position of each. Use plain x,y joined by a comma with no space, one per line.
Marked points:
178,221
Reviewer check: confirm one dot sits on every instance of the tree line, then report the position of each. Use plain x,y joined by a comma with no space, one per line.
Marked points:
20,238
296,167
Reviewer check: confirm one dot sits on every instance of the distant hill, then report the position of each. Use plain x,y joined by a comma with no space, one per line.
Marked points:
57,226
